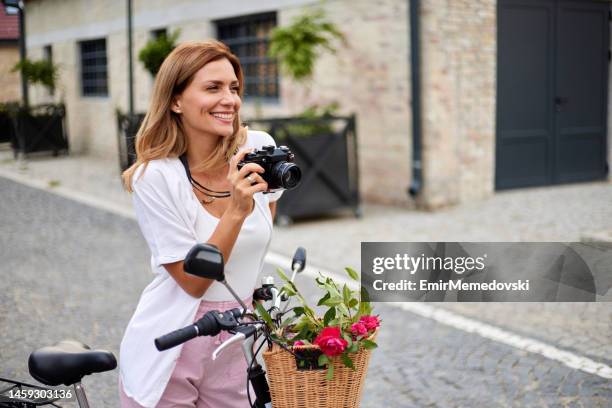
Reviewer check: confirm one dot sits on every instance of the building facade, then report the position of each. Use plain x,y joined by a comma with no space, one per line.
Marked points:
9,56
370,75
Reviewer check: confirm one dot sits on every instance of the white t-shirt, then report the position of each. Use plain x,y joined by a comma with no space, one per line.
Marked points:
172,221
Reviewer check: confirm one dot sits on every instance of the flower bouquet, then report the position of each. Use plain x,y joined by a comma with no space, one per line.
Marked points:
320,360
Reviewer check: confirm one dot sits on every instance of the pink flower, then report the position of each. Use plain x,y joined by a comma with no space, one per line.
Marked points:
359,329
370,322
298,343
330,342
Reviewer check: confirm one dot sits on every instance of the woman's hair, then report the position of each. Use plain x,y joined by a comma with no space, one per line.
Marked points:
161,134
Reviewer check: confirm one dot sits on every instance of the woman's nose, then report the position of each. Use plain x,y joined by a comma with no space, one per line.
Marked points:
227,98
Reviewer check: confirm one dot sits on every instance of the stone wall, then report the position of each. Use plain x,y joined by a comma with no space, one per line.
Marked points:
10,82
458,91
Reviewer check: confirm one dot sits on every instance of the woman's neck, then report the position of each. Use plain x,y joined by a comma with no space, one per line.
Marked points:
200,148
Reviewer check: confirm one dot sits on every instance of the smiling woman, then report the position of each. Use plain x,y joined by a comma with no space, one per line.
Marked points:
187,189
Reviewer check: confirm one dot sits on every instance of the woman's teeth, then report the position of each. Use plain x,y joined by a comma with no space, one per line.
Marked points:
223,116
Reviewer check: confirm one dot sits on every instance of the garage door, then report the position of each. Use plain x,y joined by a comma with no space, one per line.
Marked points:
552,87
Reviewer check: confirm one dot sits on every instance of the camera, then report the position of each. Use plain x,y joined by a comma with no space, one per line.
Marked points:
280,171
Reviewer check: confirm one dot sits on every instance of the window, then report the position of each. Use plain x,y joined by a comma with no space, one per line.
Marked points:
160,32
48,55
248,38
94,77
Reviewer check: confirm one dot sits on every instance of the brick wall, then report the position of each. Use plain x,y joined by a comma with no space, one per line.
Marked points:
458,88
10,82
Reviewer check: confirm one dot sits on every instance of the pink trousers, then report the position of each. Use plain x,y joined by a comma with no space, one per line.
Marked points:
198,381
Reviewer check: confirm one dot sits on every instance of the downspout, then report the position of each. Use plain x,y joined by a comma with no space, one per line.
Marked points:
415,72
130,61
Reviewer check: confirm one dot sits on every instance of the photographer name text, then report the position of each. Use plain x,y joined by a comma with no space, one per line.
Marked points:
458,284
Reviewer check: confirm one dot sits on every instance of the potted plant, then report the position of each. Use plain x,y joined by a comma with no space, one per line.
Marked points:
156,50
40,127
326,353
324,144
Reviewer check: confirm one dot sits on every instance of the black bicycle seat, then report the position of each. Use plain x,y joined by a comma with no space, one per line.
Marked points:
67,362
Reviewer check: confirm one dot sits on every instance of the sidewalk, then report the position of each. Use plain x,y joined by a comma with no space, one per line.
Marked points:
562,213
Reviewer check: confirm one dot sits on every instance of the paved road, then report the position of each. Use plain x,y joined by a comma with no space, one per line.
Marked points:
71,271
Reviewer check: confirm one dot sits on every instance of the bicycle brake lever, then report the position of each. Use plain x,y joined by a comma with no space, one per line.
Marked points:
238,337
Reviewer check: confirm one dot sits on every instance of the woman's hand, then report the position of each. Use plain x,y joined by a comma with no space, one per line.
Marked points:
245,182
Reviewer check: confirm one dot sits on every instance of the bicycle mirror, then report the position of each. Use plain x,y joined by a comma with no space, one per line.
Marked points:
205,261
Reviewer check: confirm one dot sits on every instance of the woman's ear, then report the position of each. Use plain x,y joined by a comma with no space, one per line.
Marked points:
176,106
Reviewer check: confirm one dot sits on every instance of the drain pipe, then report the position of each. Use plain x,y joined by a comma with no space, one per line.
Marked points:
415,72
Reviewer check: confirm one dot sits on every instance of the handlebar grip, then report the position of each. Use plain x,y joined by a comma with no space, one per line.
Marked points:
176,337
299,259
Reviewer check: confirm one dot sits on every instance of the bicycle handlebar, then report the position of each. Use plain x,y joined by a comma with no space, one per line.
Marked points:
208,325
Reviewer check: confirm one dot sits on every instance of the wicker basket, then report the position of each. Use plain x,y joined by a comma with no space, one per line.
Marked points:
291,387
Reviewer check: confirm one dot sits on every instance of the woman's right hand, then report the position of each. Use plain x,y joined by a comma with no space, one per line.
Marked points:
245,182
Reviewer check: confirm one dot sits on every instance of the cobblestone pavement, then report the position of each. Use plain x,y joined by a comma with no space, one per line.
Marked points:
77,272
563,213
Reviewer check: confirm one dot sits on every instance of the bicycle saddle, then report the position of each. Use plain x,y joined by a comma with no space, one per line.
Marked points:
67,362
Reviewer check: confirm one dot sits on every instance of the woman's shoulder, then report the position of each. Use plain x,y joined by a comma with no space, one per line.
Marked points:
158,171
258,138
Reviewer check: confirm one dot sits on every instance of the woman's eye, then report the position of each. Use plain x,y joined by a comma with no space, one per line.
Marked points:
235,89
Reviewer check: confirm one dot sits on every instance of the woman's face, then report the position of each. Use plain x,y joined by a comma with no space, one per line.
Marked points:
210,102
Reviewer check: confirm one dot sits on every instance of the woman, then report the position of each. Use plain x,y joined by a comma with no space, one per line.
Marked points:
193,124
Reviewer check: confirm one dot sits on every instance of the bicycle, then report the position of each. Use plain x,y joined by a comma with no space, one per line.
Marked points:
66,362
206,261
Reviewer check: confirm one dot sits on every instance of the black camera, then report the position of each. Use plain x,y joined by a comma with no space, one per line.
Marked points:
280,173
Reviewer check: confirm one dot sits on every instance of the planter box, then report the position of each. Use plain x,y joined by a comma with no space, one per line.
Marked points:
7,129
326,151
40,129
127,128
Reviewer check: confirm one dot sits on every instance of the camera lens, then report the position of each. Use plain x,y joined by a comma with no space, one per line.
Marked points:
286,175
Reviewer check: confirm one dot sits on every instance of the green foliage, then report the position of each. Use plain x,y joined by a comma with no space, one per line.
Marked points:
344,306
297,45
315,123
42,72
155,51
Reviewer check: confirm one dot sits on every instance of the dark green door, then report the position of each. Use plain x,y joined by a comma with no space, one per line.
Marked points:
552,87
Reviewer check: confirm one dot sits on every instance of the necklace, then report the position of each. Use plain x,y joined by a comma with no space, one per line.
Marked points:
212,194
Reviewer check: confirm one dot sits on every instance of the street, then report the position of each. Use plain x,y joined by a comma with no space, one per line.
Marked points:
73,271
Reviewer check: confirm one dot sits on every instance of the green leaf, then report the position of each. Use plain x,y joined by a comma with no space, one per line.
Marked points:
323,360
353,348
368,344
298,310
351,272
353,302
282,275
263,313
346,294
329,315
323,299
330,372
343,309
288,290
347,361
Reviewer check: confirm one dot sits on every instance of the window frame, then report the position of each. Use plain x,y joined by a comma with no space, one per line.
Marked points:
243,39
99,91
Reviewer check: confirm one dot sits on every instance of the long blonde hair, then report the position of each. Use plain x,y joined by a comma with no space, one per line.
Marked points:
161,134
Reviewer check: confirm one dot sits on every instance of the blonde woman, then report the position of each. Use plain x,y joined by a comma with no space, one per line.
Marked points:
187,189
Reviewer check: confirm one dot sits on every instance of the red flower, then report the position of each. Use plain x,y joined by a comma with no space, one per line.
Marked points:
370,322
330,342
298,343
359,329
